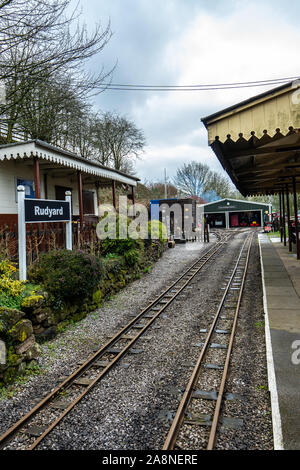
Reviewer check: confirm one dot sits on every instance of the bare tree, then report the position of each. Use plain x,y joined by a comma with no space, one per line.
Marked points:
38,44
79,132
5,3
44,111
220,185
26,20
157,190
44,50
48,26
192,178
118,141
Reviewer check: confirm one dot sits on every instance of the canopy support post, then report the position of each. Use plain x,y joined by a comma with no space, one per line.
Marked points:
296,218
114,194
133,201
280,218
80,198
288,217
283,214
37,181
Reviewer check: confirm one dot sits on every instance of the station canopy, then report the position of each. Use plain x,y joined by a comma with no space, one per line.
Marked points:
60,163
257,141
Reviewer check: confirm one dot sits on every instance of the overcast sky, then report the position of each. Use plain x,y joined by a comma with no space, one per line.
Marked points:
187,42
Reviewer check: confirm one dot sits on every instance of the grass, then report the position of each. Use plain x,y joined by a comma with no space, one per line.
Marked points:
262,387
274,234
8,391
10,301
277,234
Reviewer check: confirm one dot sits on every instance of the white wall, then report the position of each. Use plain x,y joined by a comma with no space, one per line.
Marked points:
11,170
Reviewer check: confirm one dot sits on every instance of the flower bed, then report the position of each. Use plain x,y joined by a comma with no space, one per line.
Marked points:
64,286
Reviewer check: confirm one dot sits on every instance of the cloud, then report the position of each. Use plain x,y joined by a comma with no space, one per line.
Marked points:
185,43
151,166
211,50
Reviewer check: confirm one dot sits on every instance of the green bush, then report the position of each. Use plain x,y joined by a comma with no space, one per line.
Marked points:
9,301
132,257
120,246
67,275
157,230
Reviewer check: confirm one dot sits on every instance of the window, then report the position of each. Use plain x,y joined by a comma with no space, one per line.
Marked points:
29,187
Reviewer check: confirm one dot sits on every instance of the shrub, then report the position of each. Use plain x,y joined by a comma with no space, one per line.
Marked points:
120,246
67,275
132,257
10,301
11,290
157,230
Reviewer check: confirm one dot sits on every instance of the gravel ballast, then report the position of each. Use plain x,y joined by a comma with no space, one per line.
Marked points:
132,407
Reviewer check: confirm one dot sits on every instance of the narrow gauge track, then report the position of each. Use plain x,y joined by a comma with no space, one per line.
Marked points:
229,306
53,408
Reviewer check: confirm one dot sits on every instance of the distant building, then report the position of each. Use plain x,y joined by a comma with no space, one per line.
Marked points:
179,215
230,213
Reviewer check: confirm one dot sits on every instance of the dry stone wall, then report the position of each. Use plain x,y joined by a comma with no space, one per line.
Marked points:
21,331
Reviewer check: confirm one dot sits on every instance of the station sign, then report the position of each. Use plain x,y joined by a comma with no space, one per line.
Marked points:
45,210
32,211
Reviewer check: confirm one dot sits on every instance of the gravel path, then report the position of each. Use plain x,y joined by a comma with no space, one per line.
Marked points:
60,357
132,408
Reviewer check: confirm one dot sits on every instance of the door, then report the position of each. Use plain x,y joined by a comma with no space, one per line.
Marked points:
60,192
234,220
88,202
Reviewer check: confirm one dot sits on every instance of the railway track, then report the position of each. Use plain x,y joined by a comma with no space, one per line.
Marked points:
227,309
51,410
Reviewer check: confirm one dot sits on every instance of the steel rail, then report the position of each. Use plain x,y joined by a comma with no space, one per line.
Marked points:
130,344
170,441
216,416
69,381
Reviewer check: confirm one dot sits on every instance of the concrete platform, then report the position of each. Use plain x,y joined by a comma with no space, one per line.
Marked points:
281,284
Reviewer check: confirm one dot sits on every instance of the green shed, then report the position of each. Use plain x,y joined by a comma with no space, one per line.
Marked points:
230,213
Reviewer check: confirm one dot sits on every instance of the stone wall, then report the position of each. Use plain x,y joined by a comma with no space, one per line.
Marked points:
39,321
21,348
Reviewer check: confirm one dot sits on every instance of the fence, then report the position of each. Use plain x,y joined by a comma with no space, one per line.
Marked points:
42,238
